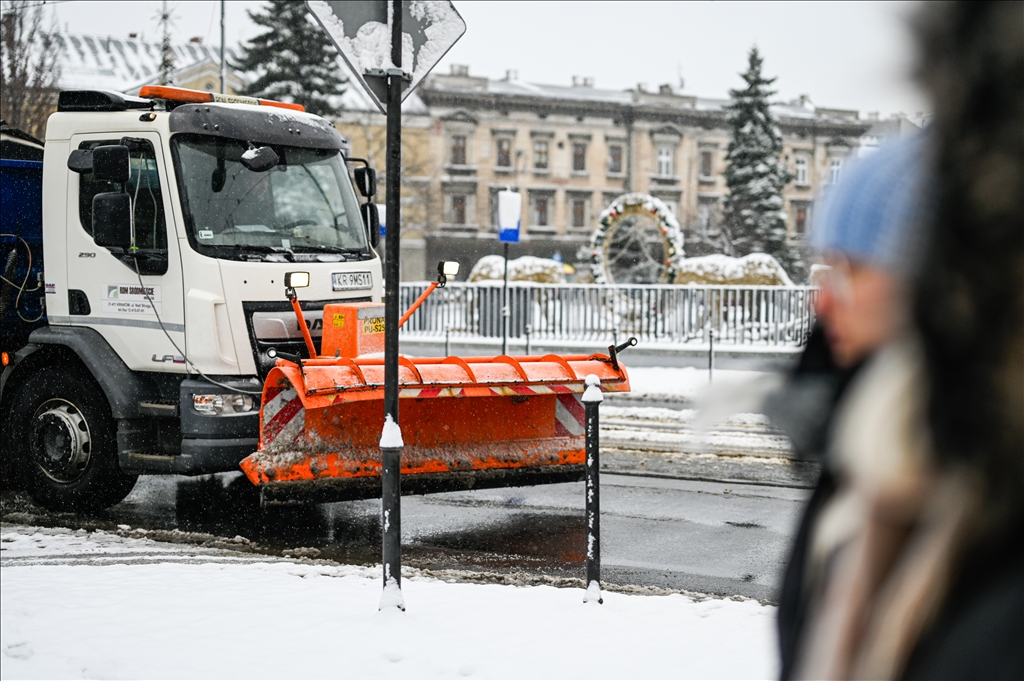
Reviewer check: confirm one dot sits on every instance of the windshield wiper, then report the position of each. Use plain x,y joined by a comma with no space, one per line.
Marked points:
350,253
287,252
307,248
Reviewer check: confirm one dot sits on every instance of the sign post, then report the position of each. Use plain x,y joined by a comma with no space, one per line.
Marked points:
510,214
390,46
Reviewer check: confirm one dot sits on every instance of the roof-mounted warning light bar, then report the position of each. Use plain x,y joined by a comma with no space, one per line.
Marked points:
186,96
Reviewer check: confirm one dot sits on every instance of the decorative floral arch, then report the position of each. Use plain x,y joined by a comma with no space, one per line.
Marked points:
612,217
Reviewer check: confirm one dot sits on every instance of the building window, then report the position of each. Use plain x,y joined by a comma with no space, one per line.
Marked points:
706,214
800,218
705,164
579,213
665,161
615,158
458,150
835,167
540,155
579,157
801,170
504,159
458,214
540,211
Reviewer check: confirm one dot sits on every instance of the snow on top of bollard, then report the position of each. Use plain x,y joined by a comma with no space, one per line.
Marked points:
391,436
593,392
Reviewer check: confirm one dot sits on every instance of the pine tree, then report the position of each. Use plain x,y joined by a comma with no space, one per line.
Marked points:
753,218
294,60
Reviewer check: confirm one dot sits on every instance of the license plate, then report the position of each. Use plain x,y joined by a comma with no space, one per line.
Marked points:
352,281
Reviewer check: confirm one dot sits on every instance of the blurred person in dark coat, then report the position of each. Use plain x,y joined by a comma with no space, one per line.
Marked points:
908,562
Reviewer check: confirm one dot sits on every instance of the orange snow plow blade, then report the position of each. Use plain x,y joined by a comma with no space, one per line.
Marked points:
467,422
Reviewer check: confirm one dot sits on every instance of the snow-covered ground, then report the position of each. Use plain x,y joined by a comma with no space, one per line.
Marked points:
99,605
686,382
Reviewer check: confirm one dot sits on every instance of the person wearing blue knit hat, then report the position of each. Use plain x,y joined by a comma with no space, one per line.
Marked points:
868,236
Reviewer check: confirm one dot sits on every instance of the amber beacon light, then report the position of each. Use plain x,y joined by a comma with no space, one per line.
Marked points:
179,94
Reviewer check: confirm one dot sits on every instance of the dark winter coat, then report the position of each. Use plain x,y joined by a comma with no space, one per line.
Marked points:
804,409
978,631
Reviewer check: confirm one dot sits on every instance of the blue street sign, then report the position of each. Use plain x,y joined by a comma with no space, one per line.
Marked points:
510,212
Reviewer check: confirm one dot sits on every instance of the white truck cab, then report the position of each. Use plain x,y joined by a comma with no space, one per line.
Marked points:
169,224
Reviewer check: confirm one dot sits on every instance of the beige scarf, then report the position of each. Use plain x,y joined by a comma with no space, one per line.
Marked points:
883,548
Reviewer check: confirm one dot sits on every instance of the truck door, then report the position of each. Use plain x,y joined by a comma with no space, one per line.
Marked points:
134,302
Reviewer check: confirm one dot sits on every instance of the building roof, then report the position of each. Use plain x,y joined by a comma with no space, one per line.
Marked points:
665,98
122,64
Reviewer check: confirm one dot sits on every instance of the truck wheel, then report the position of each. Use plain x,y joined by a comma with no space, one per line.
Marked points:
65,443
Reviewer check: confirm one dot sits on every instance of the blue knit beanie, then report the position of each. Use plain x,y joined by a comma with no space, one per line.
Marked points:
874,214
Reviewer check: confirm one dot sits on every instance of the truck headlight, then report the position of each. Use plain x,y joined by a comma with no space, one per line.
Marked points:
222,405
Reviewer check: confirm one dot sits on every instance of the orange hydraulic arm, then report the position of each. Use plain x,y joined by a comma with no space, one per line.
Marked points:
302,325
419,301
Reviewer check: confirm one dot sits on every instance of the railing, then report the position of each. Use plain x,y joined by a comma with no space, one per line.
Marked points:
738,315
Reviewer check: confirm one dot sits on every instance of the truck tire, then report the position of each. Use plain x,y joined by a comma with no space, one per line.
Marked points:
64,442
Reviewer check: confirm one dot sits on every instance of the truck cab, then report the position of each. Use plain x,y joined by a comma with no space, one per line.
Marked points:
169,222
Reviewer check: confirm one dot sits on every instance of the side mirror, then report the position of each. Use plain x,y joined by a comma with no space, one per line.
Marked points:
260,160
80,161
366,181
111,162
112,219
371,218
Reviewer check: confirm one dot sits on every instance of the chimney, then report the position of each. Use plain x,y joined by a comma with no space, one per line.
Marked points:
460,70
665,89
588,81
641,87
511,74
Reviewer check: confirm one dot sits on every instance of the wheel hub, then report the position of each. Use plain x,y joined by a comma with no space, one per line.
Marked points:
61,442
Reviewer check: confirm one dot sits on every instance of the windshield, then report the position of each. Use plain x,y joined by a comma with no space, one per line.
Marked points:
305,204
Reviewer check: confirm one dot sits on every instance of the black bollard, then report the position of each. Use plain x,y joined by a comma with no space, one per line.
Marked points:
592,399
391,514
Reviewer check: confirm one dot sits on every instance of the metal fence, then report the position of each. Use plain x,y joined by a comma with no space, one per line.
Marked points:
738,315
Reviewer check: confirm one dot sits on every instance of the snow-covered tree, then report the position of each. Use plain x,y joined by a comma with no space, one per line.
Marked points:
753,220
293,60
29,67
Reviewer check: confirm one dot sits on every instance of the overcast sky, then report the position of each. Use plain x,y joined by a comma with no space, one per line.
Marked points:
854,55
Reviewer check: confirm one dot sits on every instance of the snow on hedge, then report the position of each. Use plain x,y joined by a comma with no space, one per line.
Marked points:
756,269
525,268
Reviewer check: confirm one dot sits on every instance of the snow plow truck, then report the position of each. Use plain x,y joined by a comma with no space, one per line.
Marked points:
153,248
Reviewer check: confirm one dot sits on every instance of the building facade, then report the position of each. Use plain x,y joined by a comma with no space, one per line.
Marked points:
573,149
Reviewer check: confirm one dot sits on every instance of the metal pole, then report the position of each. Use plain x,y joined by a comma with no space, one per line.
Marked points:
592,399
223,65
447,338
529,328
711,354
391,456
504,306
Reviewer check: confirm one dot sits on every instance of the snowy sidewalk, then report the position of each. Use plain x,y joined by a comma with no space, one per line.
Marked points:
78,605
